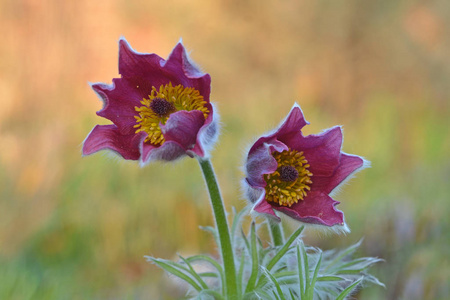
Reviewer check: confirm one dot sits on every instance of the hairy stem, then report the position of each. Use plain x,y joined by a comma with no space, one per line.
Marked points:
222,228
276,232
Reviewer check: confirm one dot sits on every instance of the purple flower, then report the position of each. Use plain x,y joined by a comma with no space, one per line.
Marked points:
294,174
160,109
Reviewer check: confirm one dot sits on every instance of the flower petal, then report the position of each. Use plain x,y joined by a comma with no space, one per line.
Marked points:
292,125
348,165
169,151
263,207
109,137
182,127
207,135
322,151
177,69
180,56
260,161
120,100
148,68
134,64
189,75
316,208
294,122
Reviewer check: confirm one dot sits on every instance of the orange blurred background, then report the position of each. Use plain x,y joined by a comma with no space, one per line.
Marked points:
78,228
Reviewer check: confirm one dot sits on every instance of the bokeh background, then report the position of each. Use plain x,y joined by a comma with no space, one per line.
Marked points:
78,228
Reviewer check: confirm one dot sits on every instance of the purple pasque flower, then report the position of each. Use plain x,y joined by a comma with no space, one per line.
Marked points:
160,109
294,174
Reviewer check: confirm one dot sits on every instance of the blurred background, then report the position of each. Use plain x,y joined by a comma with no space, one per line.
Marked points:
78,228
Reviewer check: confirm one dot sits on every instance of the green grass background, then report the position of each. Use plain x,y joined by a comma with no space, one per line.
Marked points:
78,228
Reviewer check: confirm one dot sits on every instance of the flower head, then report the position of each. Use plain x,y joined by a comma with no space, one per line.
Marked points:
294,174
160,109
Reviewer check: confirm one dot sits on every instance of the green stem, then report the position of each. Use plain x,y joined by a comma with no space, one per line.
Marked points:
222,227
276,232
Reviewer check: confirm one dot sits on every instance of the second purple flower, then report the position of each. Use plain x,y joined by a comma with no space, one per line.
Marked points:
294,174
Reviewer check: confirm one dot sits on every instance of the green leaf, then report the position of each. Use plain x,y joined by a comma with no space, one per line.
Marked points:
255,261
282,274
306,270
194,273
331,292
350,250
373,279
360,263
244,237
213,231
209,274
289,280
202,257
261,294
236,221
252,296
279,268
214,294
275,282
280,254
349,272
173,268
288,277
348,290
330,278
316,273
300,268
284,249
241,272
275,295
263,252
356,266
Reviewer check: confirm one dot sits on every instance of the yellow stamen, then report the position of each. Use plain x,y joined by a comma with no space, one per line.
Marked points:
179,97
292,179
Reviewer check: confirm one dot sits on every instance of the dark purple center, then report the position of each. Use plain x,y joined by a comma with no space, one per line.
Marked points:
161,106
288,173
